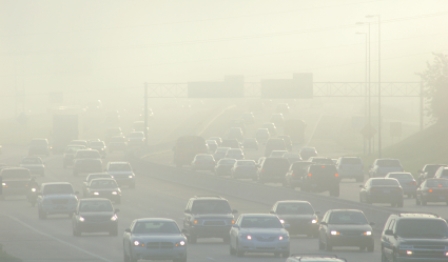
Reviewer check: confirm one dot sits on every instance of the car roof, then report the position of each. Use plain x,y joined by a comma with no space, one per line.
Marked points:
118,162
418,215
346,210
398,172
102,179
208,198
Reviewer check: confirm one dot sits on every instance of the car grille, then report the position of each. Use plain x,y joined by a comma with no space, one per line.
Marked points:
97,218
352,233
265,239
59,201
159,245
214,223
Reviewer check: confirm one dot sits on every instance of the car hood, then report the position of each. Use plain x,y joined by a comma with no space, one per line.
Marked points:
158,237
264,231
364,227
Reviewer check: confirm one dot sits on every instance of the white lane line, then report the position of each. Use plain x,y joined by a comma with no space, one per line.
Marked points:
59,240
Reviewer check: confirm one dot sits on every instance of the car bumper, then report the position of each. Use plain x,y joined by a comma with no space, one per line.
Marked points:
210,231
350,241
159,253
428,257
263,247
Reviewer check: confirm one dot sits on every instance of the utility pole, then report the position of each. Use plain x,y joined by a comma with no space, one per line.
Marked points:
379,88
145,130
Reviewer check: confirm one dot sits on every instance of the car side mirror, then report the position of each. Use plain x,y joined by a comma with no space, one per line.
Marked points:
372,223
234,211
117,210
127,230
389,232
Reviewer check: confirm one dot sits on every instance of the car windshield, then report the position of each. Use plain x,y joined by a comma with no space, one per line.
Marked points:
351,161
91,177
120,167
16,174
103,183
401,176
261,222
96,206
388,163
422,228
245,163
437,183
347,218
226,162
211,207
156,228
31,161
384,182
57,189
294,209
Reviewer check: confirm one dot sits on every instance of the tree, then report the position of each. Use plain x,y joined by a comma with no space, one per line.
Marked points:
435,81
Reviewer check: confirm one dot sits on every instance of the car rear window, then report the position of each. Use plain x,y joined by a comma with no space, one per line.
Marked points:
324,170
351,161
401,176
276,163
384,182
210,207
422,228
388,163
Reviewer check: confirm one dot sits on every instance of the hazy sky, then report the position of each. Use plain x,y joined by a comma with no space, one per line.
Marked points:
99,44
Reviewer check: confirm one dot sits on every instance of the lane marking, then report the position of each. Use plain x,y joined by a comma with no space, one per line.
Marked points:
59,240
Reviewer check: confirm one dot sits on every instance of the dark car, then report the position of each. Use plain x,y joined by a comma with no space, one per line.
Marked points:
244,169
292,157
407,182
414,237
321,178
250,143
224,167
212,145
34,164
381,167
69,154
288,142
274,144
382,190
271,127
220,153
277,119
104,188
87,165
428,171
345,227
432,190
95,215
248,118
299,215
442,172
350,167
15,181
208,217
262,135
273,169
297,171
232,143
307,152
235,133
39,146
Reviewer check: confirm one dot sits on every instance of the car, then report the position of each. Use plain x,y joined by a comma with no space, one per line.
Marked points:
86,154
56,198
244,169
273,169
351,168
262,135
154,239
104,188
278,153
87,165
282,109
295,174
208,217
300,216
235,153
271,127
136,139
15,181
39,146
224,166
203,162
99,146
69,154
220,153
432,190
117,143
232,143
274,144
407,182
212,145
414,237
250,143
428,171
345,227
89,178
321,160
442,172
217,139
79,143
321,178
381,190
382,166
277,119
292,157
122,173
235,133
34,164
248,118
314,258
259,233
95,215
307,152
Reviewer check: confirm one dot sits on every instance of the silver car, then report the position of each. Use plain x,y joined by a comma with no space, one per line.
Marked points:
381,167
56,198
350,167
259,233
154,239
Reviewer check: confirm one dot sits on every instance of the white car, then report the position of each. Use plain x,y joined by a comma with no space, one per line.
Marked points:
122,173
259,233
56,198
154,239
381,167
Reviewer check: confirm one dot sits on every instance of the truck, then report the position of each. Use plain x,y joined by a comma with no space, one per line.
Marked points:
185,149
65,130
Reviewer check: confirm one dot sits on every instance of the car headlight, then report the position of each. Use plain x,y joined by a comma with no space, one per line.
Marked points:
334,233
114,218
314,221
138,243
282,221
131,176
3,184
367,233
180,243
248,237
81,219
33,189
114,193
281,238
195,221
96,193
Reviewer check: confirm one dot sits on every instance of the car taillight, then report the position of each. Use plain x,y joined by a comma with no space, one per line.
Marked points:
336,175
310,175
430,190
414,183
293,174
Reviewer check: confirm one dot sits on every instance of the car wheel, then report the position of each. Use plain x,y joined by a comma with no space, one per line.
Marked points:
192,239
